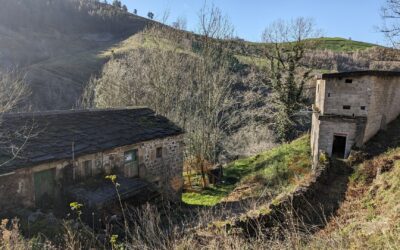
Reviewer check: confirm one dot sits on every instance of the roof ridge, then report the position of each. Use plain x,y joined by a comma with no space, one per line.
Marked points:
72,111
359,73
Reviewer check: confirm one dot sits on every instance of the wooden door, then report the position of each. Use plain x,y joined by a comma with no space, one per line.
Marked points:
44,182
131,163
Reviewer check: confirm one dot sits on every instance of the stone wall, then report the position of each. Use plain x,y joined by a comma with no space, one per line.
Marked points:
384,104
18,189
315,125
15,190
337,93
356,107
328,127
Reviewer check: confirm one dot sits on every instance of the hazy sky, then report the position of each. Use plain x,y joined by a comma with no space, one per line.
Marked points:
357,19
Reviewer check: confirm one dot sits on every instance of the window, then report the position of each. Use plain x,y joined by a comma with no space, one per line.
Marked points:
87,166
157,183
159,152
329,94
346,107
130,156
131,163
349,81
363,107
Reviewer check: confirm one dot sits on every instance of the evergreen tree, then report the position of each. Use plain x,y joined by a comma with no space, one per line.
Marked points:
117,3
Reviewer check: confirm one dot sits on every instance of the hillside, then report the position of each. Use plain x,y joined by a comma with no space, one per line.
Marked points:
266,174
60,50
369,217
339,44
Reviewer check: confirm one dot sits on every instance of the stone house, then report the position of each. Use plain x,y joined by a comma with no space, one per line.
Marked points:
71,149
350,108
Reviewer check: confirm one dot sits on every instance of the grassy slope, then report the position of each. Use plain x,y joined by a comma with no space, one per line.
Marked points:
331,43
59,65
370,216
342,45
276,170
335,44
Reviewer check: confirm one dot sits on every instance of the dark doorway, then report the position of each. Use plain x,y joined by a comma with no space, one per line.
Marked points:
339,146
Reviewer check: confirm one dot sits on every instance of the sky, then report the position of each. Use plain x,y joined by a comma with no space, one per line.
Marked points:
355,19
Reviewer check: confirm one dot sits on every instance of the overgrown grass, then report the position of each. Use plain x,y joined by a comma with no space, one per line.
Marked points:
369,219
273,169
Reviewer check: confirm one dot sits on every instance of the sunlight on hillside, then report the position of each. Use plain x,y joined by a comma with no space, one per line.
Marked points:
271,171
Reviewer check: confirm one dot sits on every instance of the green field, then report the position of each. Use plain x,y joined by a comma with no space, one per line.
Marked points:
338,44
275,170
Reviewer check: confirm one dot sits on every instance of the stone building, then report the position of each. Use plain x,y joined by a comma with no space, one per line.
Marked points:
350,108
68,154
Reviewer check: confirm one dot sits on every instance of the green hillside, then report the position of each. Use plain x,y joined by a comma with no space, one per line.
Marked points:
342,45
273,171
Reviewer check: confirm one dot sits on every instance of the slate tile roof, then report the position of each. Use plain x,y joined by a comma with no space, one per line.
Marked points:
59,135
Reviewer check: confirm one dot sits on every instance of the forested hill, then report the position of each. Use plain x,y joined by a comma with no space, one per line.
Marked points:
68,17
59,44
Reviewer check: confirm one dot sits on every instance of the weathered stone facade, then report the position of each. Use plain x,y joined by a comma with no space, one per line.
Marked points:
165,172
353,106
159,161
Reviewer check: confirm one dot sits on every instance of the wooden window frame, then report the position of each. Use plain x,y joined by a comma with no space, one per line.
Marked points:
134,153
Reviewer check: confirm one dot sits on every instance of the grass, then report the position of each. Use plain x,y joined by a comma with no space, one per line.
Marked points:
338,44
369,216
274,169
207,197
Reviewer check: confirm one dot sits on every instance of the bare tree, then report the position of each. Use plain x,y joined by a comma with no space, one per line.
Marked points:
13,91
390,14
165,16
213,24
286,46
191,89
13,97
180,23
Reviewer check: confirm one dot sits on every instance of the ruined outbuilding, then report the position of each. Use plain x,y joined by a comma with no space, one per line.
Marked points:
350,108
71,152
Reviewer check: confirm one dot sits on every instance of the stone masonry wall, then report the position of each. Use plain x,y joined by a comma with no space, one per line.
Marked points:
384,104
338,93
315,125
329,128
15,190
372,102
165,172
